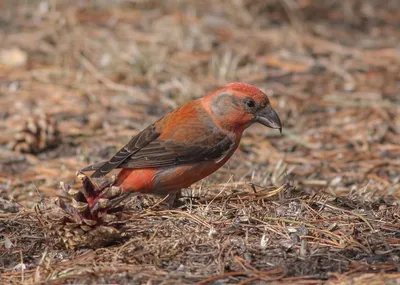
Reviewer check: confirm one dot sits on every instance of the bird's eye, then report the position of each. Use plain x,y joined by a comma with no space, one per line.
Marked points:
250,103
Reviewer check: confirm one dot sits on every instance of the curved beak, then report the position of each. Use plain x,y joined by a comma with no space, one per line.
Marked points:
268,117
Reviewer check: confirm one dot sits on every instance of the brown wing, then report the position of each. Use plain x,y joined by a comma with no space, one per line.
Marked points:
133,146
188,135
163,153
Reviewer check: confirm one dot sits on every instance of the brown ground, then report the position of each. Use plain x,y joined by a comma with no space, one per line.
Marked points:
104,71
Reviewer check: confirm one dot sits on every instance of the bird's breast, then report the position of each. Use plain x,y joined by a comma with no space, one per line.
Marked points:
178,177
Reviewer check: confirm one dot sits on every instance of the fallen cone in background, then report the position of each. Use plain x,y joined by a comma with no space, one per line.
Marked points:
34,134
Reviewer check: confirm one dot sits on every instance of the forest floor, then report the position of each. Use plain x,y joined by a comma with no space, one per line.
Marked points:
318,204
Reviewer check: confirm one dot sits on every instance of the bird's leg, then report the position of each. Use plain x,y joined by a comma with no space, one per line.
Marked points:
172,199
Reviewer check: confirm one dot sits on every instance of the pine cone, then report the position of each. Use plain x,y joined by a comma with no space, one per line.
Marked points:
93,218
35,134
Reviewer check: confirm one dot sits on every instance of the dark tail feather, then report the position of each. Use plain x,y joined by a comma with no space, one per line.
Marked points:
94,166
113,163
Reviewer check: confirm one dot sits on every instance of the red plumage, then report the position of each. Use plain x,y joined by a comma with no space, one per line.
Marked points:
189,143
244,88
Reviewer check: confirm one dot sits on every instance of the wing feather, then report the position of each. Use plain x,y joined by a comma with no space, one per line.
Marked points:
134,145
173,140
169,153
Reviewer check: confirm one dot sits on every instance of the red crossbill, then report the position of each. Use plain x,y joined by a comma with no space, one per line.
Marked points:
190,142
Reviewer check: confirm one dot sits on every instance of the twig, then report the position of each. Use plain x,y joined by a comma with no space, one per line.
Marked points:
348,212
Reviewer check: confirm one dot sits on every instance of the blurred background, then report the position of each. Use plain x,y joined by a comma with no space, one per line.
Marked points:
79,78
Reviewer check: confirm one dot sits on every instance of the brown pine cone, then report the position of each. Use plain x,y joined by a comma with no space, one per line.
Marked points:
35,134
93,216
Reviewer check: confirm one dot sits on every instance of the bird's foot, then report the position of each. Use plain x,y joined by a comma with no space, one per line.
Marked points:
172,200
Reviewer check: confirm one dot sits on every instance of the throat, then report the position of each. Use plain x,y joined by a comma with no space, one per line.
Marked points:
229,127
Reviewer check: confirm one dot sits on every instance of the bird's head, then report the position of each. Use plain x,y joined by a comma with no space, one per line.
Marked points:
238,105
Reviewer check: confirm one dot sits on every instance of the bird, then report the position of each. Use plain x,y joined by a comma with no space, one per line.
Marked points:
189,143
